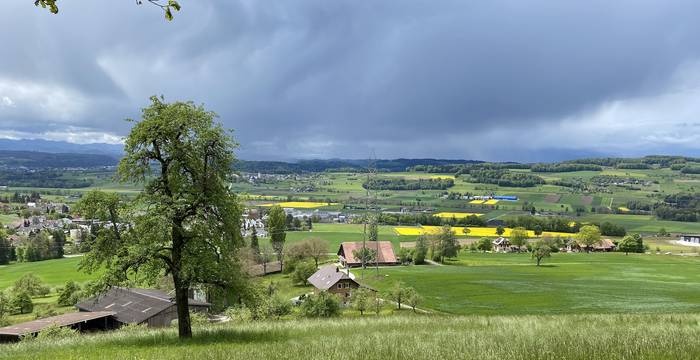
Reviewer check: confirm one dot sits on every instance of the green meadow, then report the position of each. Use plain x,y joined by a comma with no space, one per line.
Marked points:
573,337
510,284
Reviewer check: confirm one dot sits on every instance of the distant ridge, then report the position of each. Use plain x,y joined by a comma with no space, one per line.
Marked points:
61,147
281,167
43,160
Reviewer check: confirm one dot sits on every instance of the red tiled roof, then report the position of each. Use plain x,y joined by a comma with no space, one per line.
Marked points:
385,253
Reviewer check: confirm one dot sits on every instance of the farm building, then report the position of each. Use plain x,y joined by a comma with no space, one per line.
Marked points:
691,238
385,253
336,281
82,321
139,306
502,244
604,245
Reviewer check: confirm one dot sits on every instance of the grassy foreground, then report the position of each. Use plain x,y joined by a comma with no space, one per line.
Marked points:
396,337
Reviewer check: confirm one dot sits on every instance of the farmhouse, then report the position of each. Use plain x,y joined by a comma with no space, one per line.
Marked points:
82,321
336,281
502,244
691,238
138,306
604,245
384,249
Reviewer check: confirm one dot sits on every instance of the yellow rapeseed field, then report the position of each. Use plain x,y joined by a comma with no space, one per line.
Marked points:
491,202
623,209
402,230
301,204
473,231
443,177
477,201
456,215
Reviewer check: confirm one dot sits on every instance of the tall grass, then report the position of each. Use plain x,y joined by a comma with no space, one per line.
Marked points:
398,337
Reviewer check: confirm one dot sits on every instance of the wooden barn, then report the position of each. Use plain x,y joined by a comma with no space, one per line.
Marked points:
384,249
139,306
81,321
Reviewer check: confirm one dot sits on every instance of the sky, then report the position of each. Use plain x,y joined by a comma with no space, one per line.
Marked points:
489,80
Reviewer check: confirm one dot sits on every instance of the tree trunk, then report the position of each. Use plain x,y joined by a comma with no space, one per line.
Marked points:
538,261
181,288
183,311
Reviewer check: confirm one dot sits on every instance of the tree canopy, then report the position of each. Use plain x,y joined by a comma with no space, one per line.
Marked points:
186,221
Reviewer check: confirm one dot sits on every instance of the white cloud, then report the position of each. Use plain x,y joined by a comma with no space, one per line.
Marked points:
71,134
43,100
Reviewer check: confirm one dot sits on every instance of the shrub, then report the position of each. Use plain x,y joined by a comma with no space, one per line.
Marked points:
55,332
277,307
69,295
21,302
303,272
322,304
239,314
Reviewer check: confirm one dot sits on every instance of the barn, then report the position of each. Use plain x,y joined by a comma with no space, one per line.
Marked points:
139,306
384,249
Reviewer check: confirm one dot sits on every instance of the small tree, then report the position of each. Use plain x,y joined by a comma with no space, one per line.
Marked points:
484,244
361,299
412,298
254,243
277,225
397,293
448,247
465,231
541,250
21,302
421,250
588,236
69,294
662,232
518,237
302,273
31,284
265,256
628,244
373,229
318,249
377,304
500,230
323,304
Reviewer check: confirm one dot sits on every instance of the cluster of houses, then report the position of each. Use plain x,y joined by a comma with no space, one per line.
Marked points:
502,244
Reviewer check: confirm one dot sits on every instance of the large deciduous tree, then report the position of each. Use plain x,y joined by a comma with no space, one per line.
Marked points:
186,222
588,236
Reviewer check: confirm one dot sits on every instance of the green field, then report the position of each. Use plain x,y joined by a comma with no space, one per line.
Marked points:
52,272
510,284
573,337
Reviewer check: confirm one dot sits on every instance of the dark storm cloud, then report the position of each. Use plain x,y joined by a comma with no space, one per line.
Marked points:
343,78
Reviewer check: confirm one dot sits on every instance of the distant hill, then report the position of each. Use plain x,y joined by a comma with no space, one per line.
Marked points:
279,167
62,147
43,160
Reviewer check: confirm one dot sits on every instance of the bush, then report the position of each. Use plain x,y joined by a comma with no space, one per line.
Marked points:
55,332
69,295
21,302
303,272
322,304
239,314
46,312
32,285
278,307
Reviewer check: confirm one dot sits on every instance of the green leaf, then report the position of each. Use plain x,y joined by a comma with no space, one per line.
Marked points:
168,14
175,5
